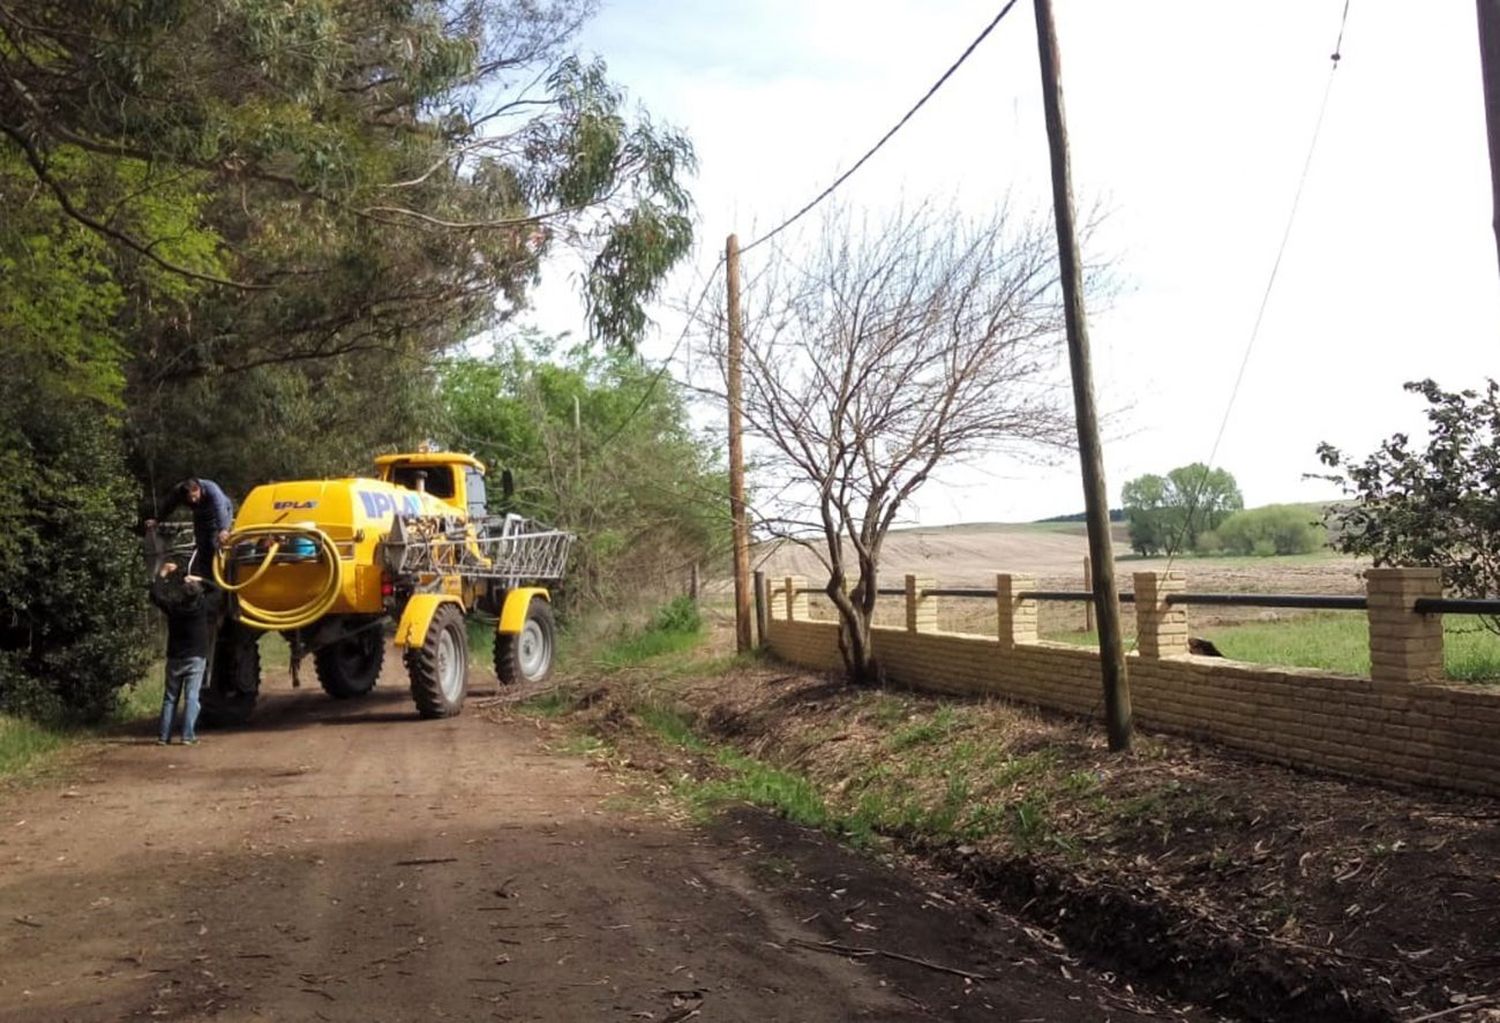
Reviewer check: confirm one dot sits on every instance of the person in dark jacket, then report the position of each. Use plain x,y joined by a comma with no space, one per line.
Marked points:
192,613
213,514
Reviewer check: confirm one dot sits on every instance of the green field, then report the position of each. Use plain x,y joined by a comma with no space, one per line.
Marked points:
1336,641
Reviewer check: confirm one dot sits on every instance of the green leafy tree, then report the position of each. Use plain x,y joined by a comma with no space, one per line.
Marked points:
1147,513
240,234
1435,506
1273,529
1168,513
71,608
599,444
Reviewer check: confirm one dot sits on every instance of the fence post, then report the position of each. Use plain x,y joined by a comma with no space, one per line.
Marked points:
1161,630
1404,646
1017,617
695,583
796,602
921,611
762,599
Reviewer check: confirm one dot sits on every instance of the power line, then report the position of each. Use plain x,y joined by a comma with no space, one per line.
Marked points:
1265,298
789,221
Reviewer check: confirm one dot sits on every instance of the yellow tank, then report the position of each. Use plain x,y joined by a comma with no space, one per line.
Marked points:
330,563
354,513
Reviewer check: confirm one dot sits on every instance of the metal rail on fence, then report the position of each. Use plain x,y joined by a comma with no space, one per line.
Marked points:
1302,601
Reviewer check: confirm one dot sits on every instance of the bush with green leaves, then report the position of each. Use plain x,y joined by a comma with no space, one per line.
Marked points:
1263,532
600,444
72,608
1166,513
1436,506
680,614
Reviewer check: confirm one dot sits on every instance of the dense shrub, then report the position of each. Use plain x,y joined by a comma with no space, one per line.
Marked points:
71,579
1273,529
1437,505
680,614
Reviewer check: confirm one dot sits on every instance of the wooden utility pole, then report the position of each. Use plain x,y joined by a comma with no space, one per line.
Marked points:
1489,68
1088,609
1095,495
743,640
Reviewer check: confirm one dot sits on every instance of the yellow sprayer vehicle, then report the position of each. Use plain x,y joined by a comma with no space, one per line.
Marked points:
329,563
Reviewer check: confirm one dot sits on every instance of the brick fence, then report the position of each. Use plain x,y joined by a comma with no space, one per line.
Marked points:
1403,723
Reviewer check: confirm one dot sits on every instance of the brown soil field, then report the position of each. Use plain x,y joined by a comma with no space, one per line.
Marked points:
1054,553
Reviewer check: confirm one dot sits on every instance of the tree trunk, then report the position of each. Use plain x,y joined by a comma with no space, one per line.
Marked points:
855,646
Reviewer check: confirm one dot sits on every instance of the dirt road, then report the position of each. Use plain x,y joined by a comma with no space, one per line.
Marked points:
344,861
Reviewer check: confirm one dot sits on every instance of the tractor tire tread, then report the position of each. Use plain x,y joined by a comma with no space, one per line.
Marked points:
508,646
423,670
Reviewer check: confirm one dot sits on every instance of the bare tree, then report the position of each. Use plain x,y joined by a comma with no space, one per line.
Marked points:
888,351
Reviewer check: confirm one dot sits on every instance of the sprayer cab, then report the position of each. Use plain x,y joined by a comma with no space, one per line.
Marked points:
330,563
455,479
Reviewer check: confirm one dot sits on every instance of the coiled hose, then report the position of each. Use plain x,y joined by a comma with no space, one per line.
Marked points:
303,614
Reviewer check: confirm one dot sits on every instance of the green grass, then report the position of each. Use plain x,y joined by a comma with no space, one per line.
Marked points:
674,628
923,732
481,640
24,743
27,746
671,725
1336,641
552,704
744,779
646,646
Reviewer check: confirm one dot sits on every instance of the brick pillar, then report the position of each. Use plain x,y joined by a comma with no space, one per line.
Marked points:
1017,617
1161,630
921,612
796,603
1404,646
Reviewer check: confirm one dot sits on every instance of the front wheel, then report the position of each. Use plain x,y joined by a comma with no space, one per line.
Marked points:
439,667
526,656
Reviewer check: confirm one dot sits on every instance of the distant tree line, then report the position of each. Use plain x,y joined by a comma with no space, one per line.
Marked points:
1115,515
1195,509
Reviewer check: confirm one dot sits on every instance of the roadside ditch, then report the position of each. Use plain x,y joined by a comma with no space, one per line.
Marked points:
1252,890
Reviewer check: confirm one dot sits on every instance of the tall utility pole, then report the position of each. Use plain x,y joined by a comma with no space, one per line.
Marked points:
743,640
1095,495
1489,67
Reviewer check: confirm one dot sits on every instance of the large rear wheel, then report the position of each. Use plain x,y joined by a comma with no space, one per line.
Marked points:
350,666
527,656
439,668
233,683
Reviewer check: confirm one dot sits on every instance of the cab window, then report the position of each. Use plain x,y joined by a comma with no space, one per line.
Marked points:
474,491
439,479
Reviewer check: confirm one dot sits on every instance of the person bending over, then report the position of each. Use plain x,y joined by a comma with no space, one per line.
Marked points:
213,515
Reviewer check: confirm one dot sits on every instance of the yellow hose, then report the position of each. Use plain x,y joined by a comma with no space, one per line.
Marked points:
301,615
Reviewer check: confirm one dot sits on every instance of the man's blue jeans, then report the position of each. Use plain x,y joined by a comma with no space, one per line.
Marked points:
184,679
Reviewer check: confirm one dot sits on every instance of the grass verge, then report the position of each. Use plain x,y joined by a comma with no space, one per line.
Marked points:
28,747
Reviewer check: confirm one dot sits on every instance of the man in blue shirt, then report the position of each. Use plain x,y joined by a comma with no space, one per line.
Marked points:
213,514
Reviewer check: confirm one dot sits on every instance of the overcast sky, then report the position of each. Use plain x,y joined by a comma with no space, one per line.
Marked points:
1190,122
